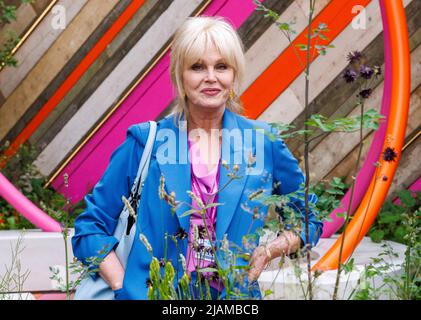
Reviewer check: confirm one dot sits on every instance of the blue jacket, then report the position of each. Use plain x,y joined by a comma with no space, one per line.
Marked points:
94,228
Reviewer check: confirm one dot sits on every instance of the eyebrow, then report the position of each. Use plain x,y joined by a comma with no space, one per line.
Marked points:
222,60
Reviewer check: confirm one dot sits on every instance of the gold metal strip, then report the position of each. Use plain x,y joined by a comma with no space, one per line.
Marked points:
411,141
110,113
32,28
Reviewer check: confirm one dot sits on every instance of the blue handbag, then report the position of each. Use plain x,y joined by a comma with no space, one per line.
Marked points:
98,289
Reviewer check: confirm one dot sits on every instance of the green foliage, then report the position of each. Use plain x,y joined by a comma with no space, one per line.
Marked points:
25,177
370,121
390,222
13,278
77,268
329,194
404,284
7,15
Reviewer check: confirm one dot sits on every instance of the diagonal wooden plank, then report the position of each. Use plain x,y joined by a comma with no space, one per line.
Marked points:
98,72
156,90
257,15
274,80
74,76
36,46
68,103
53,61
338,98
331,150
345,166
115,84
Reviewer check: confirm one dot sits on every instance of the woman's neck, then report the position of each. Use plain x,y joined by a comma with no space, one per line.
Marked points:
205,120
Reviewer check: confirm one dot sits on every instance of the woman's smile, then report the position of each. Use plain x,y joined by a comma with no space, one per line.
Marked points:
211,92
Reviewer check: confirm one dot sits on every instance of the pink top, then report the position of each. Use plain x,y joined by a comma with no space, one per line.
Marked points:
204,186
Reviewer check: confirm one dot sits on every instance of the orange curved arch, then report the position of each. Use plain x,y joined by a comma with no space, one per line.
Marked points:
394,138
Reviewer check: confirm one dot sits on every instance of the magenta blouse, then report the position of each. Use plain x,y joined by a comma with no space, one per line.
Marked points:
204,186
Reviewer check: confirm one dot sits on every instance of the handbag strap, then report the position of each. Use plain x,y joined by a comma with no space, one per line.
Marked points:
142,171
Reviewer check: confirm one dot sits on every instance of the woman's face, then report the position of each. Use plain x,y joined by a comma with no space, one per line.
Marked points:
207,82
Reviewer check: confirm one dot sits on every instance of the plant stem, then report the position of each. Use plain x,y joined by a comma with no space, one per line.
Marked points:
348,213
65,230
308,112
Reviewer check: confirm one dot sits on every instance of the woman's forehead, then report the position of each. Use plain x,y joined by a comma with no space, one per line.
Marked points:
210,54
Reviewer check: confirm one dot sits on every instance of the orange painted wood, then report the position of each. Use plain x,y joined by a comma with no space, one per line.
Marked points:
72,79
280,74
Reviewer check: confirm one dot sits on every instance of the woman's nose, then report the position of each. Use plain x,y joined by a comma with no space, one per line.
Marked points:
210,75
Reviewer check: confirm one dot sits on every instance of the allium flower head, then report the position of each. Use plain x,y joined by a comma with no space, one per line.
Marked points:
181,234
350,75
162,262
377,71
366,72
366,93
148,283
389,154
202,231
354,56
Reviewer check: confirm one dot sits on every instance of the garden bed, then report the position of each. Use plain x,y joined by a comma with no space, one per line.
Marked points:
42,250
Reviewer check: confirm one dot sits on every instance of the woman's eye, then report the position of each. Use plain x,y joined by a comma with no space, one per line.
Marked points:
196,67
221,66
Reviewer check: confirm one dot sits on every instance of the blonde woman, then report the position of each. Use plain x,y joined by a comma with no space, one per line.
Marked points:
205,152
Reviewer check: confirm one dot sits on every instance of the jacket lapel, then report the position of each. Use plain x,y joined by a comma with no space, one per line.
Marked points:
177,171
231,190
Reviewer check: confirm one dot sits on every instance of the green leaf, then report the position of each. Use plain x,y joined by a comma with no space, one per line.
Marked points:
323,37
389,218
377,235
188,212
213,205
406,198
400,233
268,292
208,270
302,47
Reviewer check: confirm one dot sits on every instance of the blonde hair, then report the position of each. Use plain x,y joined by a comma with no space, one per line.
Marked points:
191,40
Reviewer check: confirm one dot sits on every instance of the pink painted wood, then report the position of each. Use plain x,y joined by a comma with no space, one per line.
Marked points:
145,103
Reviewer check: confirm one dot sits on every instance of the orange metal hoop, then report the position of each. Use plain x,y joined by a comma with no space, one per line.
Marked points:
394,138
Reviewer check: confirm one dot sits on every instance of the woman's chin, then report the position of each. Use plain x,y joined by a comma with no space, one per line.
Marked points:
211,106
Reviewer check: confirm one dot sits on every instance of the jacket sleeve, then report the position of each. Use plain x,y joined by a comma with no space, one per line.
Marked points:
289,177
94,228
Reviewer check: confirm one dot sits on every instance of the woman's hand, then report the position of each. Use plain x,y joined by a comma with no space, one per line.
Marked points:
286,243
259,260
111,270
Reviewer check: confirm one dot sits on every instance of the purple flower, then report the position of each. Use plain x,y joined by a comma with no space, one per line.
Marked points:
181,234
200,248
350,75
377,71
202,231
366,93
389,154
354,56
366,72
148,283
163,261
